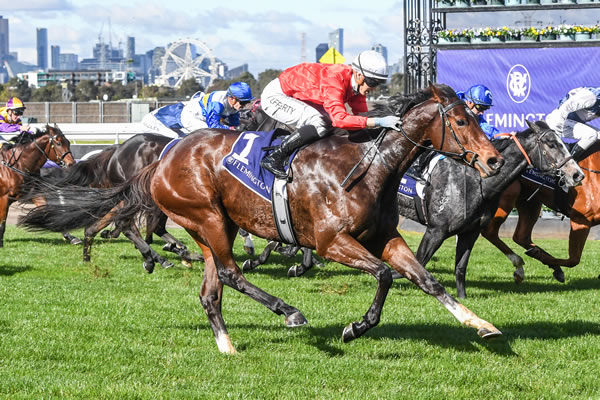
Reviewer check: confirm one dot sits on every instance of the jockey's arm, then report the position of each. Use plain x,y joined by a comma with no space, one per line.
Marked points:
213,115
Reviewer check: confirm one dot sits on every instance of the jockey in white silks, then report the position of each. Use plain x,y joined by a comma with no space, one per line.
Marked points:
218,109
579,106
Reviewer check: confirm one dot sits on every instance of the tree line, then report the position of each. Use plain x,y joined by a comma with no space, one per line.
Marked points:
87,90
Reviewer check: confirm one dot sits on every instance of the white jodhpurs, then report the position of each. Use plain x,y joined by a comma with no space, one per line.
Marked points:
291,111
569,128
153,125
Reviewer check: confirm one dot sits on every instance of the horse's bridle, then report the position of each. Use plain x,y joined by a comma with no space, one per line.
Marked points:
445,121
540,153
51,141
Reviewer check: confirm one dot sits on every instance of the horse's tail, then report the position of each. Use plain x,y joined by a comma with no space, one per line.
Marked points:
90,172
73,207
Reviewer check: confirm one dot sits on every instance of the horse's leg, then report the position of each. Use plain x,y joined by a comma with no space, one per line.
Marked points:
248,243
464,245
344,249
307,263
159,227
89,233
211,295
491,231
228,272
4,205
249,265
528,216
70,238
397,254
150,256
430,243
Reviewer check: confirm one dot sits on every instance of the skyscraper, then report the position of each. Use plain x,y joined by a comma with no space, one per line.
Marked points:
320,50
55,57
130,52
336,39
4,51
381,49
42,48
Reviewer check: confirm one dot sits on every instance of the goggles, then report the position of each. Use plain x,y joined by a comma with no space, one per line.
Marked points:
481,107
372,82
18,111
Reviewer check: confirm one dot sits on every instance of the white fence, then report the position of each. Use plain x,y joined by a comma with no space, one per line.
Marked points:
89,132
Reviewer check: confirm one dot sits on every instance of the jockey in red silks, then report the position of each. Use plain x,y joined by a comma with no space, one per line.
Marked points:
579,106
312,98
10,118
218,109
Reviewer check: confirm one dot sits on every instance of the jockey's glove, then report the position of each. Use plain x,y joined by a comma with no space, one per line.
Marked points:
391,121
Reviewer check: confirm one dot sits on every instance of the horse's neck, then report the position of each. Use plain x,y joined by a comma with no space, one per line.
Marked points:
31,156
514,165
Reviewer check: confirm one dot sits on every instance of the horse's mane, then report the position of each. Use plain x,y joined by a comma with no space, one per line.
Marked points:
399,104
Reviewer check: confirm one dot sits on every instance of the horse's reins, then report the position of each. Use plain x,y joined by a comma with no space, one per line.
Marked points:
443,110
14,160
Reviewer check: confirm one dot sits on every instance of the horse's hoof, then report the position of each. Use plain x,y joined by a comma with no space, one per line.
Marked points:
296,319
75,240
187,264
349,333
149,266
169,247
488,333
247,266
249,250
519,275
559,275
196,257
166,264
295,271
397,275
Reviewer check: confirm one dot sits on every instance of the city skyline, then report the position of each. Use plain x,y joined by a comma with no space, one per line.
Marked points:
264,35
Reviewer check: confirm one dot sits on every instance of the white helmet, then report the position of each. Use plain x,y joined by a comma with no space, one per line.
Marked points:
372,65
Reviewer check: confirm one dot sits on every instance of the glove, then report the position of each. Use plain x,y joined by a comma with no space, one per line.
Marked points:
391,121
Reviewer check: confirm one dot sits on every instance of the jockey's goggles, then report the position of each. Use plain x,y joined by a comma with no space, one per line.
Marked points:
481,107
372,82
18,111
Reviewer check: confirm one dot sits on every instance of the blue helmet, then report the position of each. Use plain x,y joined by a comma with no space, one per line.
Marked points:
241,91
479,94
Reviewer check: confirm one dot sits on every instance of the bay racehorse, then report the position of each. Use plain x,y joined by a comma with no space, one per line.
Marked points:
581,204
458,202
24,158
354,224
113,166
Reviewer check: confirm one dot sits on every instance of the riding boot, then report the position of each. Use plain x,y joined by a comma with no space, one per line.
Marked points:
577,152
274,162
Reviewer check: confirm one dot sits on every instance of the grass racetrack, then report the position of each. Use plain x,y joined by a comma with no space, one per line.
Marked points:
108,330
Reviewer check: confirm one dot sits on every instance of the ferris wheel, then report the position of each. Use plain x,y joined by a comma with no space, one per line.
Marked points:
185,59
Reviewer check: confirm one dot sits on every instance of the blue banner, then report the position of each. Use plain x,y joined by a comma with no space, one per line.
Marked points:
526,83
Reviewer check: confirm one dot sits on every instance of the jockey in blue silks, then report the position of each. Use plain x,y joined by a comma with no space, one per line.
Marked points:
219,109
479,99
579,106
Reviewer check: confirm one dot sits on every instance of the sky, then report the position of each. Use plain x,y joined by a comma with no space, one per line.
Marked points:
262,33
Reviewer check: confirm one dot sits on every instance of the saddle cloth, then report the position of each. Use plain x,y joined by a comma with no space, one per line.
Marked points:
243,161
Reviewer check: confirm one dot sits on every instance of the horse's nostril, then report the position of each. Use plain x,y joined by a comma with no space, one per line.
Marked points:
495,163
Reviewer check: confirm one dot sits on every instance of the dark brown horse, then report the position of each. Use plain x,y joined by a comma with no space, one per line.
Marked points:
111,167
582,206
25,158
353,224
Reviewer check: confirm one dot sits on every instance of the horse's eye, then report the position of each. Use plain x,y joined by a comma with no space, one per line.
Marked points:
461,122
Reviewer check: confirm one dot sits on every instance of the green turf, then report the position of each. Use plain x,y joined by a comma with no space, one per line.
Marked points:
108,330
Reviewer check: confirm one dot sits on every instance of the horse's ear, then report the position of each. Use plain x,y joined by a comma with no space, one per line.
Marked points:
436,94
532,125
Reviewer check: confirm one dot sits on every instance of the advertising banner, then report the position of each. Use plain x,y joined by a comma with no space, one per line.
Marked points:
526,83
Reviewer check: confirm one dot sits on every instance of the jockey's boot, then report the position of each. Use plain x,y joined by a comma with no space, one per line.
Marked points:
274,161
577,152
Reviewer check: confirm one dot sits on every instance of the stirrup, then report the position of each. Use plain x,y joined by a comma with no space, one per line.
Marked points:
268,165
